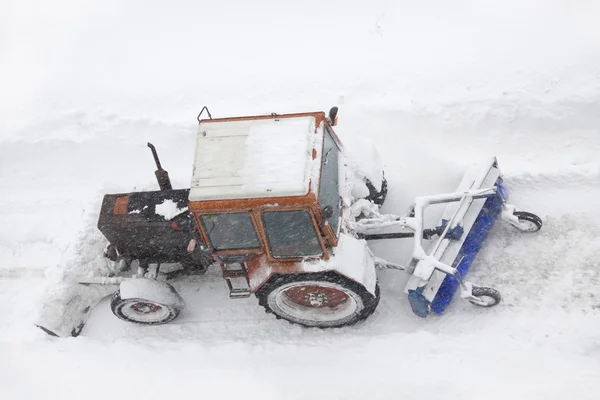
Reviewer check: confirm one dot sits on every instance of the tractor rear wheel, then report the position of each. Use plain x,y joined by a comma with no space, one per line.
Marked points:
320,299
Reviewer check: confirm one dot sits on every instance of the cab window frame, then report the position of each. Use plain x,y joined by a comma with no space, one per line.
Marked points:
232,249
315,228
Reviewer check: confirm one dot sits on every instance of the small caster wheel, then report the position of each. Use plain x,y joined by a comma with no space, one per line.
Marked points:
528,222
485,297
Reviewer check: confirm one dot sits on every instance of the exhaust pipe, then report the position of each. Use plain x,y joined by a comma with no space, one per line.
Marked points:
162,176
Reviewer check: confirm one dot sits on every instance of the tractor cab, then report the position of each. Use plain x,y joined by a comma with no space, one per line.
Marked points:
266,191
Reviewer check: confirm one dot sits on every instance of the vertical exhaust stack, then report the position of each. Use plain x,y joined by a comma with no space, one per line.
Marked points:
162,176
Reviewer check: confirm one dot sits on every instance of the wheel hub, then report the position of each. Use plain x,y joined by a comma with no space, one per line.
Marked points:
528,226
145,308
316,299
316,296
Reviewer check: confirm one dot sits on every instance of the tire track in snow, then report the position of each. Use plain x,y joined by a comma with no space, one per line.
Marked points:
20,273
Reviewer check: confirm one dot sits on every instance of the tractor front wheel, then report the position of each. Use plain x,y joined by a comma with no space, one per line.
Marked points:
141,311
320,299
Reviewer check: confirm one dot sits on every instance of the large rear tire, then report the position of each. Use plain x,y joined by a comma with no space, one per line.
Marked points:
320,299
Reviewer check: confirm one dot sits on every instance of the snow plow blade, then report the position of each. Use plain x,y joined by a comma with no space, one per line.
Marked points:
465,225
66,309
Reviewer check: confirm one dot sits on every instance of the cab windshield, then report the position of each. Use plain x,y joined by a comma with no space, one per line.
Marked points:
230,231
291,234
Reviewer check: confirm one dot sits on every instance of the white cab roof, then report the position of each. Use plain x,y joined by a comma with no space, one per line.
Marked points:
255,158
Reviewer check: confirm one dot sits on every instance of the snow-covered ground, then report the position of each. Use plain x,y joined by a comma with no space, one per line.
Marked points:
436,85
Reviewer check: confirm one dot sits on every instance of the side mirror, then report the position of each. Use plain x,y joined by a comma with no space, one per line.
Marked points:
333,116
327,212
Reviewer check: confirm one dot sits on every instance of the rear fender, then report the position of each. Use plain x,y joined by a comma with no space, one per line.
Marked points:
351,258
151,290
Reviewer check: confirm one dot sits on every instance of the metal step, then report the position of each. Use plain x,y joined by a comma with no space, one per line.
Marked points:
238,287
236,276
234,269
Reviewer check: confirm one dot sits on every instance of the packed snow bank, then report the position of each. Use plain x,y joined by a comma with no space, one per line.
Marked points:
463,64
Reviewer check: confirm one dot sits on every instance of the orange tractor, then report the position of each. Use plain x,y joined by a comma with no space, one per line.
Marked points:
275,201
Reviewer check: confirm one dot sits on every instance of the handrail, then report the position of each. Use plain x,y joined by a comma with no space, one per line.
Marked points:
201,111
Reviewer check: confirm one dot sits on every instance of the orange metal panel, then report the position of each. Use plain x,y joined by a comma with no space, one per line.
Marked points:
121,205
319,117
260,270
215,206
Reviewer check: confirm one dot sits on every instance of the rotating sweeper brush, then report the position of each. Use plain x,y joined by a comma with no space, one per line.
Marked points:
276,203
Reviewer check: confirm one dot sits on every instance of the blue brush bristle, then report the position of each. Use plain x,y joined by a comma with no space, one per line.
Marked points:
471,246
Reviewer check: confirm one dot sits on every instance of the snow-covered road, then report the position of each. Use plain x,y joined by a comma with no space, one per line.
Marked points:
541,342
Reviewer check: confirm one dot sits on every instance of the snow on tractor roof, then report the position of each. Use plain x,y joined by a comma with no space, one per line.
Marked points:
254,158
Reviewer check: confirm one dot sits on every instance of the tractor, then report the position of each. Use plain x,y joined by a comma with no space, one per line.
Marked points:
287,215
